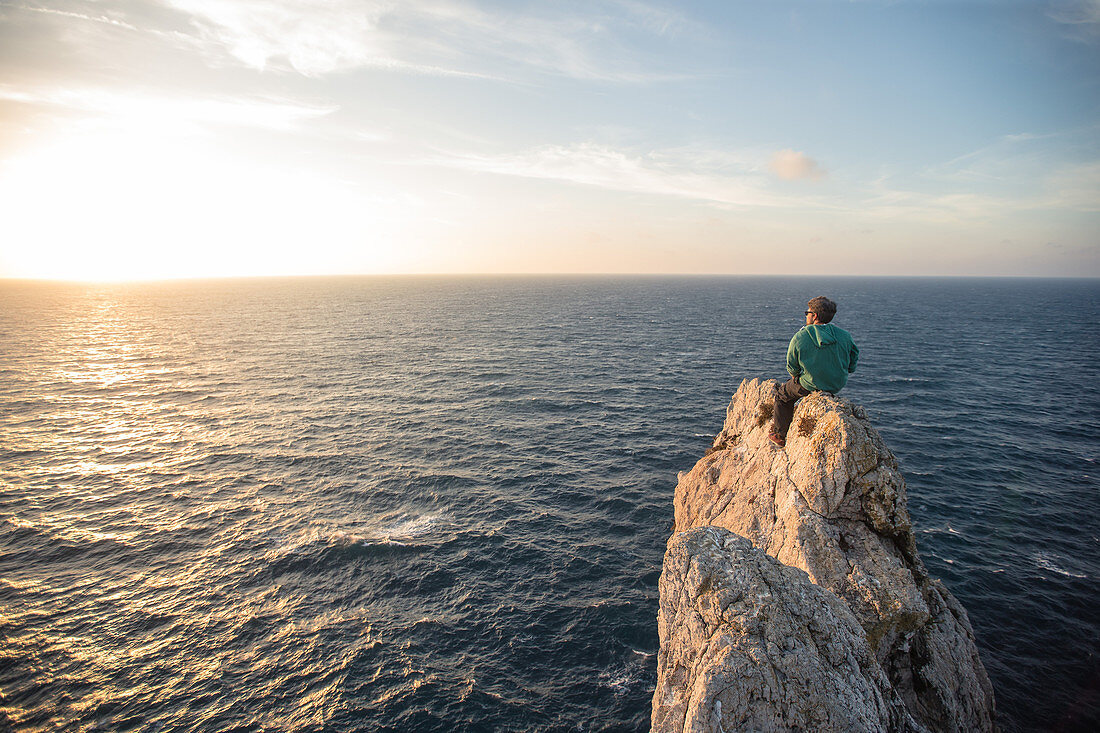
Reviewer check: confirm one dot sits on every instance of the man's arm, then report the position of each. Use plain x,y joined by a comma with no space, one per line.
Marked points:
794,367
853,357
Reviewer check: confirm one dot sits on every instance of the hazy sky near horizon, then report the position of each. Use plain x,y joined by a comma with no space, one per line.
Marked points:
178,138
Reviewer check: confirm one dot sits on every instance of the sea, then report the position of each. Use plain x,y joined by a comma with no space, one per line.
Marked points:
436,503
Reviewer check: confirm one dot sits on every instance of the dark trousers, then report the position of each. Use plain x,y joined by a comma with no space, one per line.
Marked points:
789,393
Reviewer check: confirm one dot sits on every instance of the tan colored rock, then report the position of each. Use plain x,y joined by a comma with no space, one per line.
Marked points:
832,503
749,644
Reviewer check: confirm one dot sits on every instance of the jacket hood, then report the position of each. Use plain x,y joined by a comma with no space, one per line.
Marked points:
822,334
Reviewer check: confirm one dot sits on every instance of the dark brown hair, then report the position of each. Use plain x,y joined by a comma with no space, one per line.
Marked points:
823,308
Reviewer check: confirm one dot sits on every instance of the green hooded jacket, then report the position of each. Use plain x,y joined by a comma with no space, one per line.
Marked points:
821,357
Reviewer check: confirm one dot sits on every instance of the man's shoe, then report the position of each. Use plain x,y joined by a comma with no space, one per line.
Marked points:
777,439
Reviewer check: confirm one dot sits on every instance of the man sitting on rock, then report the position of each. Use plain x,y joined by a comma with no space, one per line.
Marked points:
820,358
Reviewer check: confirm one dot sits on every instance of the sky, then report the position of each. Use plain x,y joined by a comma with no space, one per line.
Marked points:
146,139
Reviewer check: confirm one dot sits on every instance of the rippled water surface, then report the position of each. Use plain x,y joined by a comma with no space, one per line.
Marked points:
441,503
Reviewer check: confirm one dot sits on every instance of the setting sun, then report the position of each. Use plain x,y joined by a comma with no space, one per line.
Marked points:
127,204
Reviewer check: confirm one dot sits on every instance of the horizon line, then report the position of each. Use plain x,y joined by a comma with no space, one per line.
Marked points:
639,275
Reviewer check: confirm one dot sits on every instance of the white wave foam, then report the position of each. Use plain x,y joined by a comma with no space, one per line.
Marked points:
302,542
384,541
413,526
1045,561
404,529
401,531
947,528
618,681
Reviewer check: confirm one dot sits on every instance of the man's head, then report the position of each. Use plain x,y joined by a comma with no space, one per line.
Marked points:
820,310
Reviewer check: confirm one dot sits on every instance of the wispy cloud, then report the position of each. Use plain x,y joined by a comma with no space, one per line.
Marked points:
791,165
1024,171
965,189
956,191
312,37
99,18
659,20
1013,174
1075,187
1081,18
1075,12
676,173
438,37
907,205
174,111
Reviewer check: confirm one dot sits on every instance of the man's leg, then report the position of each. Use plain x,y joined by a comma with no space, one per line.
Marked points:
789,393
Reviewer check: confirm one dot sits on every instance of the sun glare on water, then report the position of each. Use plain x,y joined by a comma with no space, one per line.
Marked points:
128,205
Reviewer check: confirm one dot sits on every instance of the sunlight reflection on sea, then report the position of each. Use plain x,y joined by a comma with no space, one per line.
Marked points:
442,503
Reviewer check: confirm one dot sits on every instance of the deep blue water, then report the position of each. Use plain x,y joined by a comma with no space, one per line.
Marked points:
441,503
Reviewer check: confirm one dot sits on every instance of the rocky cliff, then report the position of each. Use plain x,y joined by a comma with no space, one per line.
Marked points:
792,595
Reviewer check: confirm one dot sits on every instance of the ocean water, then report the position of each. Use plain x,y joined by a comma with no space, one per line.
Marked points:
441,504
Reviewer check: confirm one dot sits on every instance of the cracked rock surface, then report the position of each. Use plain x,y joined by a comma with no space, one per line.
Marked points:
832,505
753,645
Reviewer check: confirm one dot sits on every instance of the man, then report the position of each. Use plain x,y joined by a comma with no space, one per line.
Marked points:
820,358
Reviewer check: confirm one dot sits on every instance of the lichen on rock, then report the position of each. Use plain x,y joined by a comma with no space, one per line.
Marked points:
831,504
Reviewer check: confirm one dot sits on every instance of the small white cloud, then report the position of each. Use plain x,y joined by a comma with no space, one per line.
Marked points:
792,165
